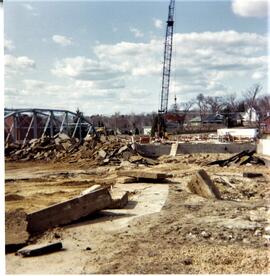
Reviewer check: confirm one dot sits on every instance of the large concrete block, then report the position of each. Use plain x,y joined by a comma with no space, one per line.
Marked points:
68,211
202,185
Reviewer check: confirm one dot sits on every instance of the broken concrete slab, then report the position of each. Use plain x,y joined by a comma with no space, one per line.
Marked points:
88,138
125,180
16,234
119,199
135,158
202,185
122,149
102,153
63,136
91,189
66,145
144,174
239,223
40,249
68,211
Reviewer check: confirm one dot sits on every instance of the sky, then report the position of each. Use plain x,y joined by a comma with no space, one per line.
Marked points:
106,57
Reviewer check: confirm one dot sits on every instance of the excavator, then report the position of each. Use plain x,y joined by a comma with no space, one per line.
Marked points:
159,122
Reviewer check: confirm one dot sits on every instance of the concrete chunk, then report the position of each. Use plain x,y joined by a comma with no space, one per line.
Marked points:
15,228
39,249
144,174
102,153
63,136
202,185
119,199
66,145
68,211
122,149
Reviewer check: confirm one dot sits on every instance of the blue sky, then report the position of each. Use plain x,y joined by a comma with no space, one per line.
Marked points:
106,57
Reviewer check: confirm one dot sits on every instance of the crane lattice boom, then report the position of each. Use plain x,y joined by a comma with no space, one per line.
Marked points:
167,60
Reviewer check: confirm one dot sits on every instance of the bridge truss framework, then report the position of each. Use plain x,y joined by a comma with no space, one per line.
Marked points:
22,125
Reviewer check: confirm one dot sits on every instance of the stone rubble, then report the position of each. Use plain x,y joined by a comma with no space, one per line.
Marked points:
102,150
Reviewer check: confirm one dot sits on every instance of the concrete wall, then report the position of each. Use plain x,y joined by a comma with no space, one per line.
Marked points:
187,148
68,211
263,147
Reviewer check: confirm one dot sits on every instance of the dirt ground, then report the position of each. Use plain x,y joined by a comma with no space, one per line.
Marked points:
164,228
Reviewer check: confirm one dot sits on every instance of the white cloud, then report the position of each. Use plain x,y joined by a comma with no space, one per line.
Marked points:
8,45
117,83
204,62
157,23
258,75
127,76
34,84
250,8
136,32
137,59
83,68
62,40
18,64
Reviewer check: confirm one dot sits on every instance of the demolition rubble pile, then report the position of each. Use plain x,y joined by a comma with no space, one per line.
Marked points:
103,150
241,158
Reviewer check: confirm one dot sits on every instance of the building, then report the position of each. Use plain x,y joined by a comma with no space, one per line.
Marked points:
214,119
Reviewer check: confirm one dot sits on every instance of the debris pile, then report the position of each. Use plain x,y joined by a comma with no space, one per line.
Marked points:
241,158
42,148
103,150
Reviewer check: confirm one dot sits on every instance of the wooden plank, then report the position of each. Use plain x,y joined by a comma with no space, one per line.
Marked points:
68,211
252,175
40,249
202,185
144,174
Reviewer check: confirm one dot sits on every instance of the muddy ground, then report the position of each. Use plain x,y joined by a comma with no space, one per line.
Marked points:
164,228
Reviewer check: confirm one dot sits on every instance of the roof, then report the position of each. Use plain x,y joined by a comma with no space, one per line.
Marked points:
214,118
195,119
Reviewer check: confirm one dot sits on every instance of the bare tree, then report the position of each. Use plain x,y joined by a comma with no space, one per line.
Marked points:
201,102
232,103
264,104
251,94
187,105
215,103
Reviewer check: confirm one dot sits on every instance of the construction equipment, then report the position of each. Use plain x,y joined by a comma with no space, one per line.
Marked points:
159,125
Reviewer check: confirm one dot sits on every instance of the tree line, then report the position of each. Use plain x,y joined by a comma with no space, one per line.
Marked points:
199,106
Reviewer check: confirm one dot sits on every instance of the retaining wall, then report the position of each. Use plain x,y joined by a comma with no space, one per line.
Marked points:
263,147
188,148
